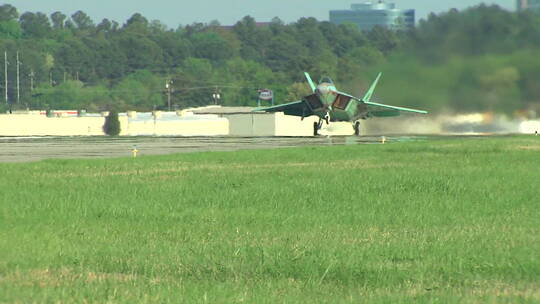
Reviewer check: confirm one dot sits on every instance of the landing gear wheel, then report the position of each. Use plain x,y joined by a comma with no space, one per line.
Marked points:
357,128
315,129
327,119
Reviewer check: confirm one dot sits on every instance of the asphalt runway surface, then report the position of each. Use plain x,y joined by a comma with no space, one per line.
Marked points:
30,149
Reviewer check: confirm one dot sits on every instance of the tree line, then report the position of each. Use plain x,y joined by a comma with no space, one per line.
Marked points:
479,59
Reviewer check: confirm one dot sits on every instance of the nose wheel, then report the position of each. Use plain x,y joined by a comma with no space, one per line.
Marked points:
327,118
356,127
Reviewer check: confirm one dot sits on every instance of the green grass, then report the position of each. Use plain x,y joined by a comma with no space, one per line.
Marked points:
437,221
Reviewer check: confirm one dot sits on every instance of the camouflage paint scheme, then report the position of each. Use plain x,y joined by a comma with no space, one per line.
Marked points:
331,105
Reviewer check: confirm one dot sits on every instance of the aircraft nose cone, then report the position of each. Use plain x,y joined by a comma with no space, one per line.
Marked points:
323,90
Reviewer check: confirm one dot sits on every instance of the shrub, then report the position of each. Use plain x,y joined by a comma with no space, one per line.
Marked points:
112,124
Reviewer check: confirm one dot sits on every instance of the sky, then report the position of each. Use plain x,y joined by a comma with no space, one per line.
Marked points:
182,12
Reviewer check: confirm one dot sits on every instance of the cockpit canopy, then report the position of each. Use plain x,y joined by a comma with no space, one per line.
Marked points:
326,79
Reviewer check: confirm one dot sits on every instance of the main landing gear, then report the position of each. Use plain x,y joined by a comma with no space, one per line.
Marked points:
356,127
318,125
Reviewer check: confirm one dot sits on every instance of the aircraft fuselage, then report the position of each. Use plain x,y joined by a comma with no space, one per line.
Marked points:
339,107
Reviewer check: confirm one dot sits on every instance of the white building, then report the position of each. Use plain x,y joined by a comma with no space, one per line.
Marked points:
370,14
533,5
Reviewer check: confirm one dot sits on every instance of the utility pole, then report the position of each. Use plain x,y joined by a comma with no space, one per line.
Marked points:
216,95
18,79
32,75
6,77
168,87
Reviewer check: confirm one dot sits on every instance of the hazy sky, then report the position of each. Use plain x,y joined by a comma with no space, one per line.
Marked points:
175,12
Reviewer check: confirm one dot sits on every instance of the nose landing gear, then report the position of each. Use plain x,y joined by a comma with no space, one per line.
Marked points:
327,118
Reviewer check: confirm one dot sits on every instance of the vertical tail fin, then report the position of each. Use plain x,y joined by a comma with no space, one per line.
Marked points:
311,83
371,90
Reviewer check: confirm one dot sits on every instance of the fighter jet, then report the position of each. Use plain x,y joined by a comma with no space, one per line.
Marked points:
331,105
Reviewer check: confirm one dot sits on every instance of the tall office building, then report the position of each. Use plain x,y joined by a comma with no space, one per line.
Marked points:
370,14
528,5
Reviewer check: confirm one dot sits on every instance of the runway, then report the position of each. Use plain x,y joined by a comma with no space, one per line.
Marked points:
30,149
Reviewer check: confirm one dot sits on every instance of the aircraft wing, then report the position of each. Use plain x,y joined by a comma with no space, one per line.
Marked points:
297,108
382,110
379,109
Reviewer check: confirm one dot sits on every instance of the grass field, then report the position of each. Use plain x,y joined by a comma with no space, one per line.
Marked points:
435,221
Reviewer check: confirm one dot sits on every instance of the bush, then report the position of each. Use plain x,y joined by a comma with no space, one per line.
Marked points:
112,124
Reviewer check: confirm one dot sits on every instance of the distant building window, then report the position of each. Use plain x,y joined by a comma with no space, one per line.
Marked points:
370,14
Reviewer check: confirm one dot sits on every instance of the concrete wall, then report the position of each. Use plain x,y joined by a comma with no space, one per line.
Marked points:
529,127
253,124
40,125
250,124
407,124
337,129
287,125
92,125
279,124
269,124
200,127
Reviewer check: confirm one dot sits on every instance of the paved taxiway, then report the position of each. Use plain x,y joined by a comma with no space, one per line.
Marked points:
39,148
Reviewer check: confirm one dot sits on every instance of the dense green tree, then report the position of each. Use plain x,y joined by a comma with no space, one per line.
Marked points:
140,90
277,26
191,29
298,90
75,59
137,24
35,25
108,63
64,96
248,77
211,45
104,26
310,36
364,56
194,82
58,20
140,51
175,48
383,39
82,21
10,30
287,54
157,27
137,20
341,38
253,39
8,13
